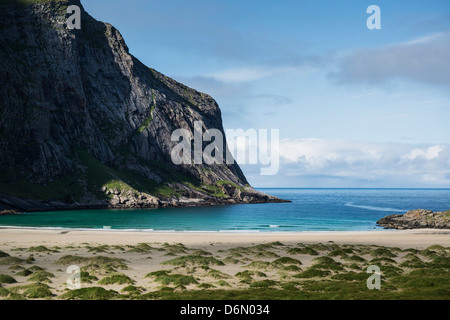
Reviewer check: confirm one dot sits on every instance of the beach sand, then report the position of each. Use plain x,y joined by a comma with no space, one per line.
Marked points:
238,250
419,238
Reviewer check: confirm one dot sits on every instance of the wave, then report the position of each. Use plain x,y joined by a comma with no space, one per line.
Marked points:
239,231
126,229
103,229
350,204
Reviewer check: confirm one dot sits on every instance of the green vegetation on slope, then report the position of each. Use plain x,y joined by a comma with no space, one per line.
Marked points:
96,175
99,175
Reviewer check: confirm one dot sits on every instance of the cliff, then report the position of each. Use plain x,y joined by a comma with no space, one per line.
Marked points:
417,219
86,124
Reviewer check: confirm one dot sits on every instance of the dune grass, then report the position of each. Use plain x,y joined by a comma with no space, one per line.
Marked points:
176,279
91,293
193,260
260,271
3,254
116,279
4,278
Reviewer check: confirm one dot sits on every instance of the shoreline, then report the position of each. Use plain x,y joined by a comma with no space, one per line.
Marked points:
417,238
13,205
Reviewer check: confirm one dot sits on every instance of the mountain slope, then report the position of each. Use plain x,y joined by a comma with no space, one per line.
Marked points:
86,124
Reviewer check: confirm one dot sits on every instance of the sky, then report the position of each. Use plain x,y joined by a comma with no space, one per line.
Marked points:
354,107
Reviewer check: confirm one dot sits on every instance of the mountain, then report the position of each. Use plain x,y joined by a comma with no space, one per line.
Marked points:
84,124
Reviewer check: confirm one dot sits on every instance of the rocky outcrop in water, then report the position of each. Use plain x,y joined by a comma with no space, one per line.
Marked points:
86,124
416,219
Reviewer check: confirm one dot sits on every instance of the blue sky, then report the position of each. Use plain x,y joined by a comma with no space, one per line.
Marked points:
355,107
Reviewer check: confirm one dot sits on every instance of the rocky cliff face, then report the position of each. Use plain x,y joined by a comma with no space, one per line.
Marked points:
84,123
417,219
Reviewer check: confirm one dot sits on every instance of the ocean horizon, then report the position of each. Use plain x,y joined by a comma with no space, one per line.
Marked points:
311,209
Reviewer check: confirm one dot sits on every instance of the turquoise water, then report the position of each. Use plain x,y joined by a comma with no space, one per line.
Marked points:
310,210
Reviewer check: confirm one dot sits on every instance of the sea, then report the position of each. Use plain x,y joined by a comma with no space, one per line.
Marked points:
310,210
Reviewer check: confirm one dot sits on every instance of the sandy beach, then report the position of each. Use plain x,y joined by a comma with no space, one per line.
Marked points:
154,265
420,238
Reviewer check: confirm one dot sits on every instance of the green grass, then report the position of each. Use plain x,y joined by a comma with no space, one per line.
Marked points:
4,278
291,268
92,293
313,273
98,249
16,267
340,252
391,271
215,190
158,273
193,260
205,286
224,182
147,121
31,291
4,292
436,247
304,250
116,279
351,276
132,290
35,268
249,274
176,279
266,254
216,274
258,264
3,254
24,273
41,249
97,261
70,259
440,262
286,260
383,252
141,248
325,290
354,258
86,277
426,276
382,260
212,190
41,276
264,284
320,247
231,260
174,248
327,263
201,253
222,283
100,175
37,291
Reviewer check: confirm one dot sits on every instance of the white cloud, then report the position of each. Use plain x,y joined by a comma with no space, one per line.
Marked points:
247,74
392,163
354,163
428,153
316,153
425,59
